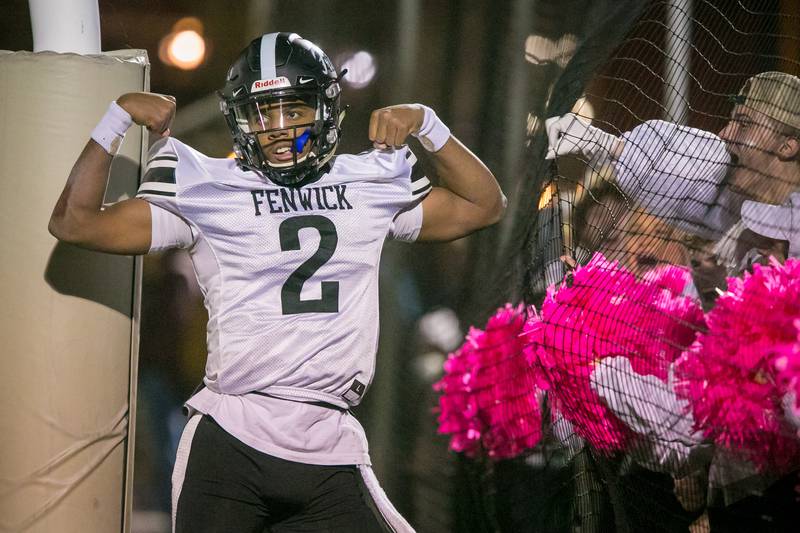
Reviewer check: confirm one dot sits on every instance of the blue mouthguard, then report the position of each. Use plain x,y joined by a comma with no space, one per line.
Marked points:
300,142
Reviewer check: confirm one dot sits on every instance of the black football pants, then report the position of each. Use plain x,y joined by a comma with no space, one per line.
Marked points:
230,487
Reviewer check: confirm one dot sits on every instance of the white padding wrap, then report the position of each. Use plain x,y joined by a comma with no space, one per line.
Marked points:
168,230
407,224
111,129
433,133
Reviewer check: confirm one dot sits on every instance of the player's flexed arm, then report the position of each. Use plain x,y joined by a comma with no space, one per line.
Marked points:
79,217
469,197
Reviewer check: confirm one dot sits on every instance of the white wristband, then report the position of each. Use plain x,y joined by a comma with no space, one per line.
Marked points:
111,129
433,133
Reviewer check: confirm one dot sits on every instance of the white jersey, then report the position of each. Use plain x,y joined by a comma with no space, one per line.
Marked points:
289,275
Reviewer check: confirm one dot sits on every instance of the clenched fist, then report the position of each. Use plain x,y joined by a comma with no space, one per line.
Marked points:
155,111
390,126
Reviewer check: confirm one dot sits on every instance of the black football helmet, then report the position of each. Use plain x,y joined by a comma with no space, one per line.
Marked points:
283,91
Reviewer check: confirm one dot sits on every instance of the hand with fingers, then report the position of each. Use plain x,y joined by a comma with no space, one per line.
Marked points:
569,262
389,127
155,111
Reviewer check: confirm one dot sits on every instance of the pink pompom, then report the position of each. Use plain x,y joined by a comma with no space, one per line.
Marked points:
489,399
457,404
607,312
787,367
731,374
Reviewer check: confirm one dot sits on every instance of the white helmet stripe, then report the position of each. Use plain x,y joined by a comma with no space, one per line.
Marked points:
268,56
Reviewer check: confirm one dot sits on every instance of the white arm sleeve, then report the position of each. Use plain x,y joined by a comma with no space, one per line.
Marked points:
407,224
676,173
168,230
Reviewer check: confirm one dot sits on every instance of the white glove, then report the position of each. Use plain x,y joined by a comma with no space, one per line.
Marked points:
651,409
573,135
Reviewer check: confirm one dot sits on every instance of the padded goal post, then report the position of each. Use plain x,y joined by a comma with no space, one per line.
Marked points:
69,318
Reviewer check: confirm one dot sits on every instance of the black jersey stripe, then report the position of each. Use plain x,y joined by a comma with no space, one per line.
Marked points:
160,175
417,173
422,190
164,157
160,152
157,193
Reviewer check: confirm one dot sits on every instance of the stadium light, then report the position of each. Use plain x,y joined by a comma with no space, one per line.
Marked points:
584,109
187,49
546,198
184,47
361,68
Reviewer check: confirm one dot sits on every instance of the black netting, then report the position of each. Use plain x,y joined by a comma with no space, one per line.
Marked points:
649,387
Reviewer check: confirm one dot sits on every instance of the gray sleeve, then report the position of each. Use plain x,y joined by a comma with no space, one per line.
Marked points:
678,173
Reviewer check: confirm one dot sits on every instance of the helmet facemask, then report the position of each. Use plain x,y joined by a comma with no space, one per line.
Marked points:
285,135
273,73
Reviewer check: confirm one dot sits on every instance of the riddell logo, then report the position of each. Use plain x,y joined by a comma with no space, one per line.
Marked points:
263,85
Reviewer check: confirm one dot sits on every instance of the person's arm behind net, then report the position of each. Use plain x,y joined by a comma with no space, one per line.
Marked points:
673,172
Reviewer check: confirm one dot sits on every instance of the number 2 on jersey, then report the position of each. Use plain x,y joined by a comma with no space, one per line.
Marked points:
289,232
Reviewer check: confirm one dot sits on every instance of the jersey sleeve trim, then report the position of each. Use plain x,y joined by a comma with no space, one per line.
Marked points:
159,177
161,170
412,159
420,184
159,189
420,187
160,159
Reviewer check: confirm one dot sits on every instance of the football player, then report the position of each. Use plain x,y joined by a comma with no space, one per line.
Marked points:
285,240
